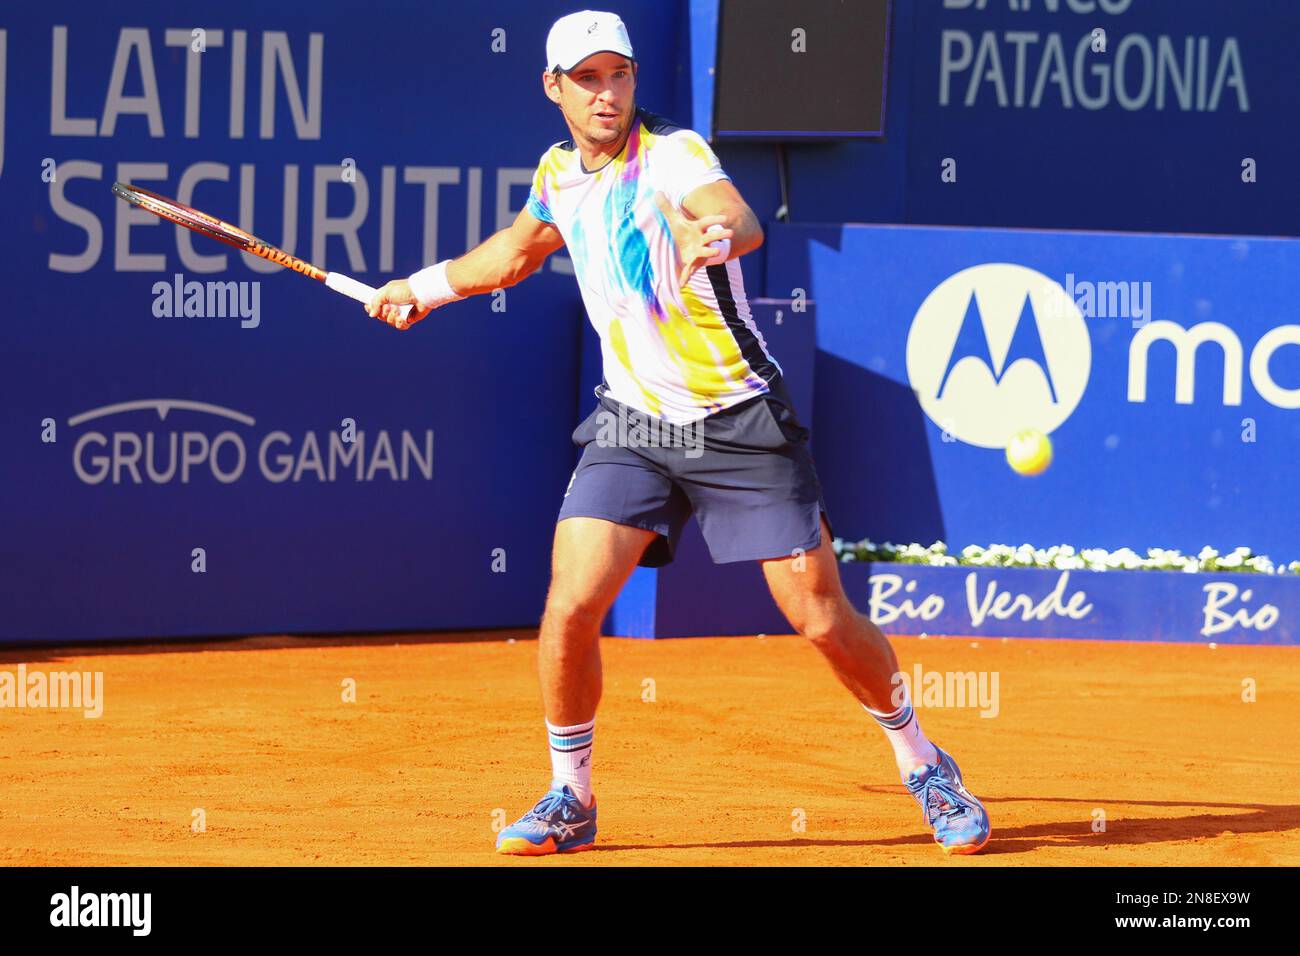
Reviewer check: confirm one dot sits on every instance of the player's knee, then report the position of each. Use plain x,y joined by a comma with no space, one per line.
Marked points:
817,628
569,613
827,625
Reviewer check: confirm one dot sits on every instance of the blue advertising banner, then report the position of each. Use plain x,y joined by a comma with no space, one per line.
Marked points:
1136,115
1165,606
1104,114
198,442
1165,369
194,442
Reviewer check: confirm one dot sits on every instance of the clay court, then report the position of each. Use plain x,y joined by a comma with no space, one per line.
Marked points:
742,735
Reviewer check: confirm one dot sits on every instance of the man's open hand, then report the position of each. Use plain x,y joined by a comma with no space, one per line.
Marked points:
691,237
387,301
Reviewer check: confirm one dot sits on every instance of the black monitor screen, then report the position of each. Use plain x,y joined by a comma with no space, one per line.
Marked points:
788,70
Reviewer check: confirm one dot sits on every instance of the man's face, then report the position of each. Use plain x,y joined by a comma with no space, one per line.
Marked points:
597,96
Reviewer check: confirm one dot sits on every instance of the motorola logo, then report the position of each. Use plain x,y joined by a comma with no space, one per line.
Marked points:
995,349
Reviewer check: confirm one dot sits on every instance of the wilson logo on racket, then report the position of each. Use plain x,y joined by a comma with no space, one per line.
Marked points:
279,256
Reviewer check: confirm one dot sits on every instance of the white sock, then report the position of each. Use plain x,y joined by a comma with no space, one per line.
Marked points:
911,747
571,757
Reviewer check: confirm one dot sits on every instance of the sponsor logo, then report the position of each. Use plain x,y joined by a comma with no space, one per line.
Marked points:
1022,69
893,597
1220,616
1000,347
1187,342
166,440
898,600
279,257
995,349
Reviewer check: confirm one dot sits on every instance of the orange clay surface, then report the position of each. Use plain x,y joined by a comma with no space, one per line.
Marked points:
751,753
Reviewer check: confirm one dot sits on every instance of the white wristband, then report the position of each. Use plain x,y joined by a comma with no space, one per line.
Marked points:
431,287
722,245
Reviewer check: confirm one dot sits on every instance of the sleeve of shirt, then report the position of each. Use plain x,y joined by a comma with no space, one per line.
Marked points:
537,196
690,164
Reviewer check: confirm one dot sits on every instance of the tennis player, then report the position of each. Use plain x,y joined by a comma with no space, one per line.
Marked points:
655,228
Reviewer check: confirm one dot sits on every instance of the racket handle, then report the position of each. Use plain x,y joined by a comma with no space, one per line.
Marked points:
358,290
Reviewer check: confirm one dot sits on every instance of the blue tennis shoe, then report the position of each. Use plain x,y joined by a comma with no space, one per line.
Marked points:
559,823
959,820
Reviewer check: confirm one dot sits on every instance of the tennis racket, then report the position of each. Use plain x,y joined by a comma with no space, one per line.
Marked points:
206,225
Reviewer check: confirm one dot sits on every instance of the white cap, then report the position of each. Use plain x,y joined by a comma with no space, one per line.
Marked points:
577,36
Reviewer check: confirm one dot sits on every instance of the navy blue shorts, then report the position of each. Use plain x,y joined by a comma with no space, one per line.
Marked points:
745,472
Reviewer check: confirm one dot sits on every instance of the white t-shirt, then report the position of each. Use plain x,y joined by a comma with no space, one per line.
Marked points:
677,352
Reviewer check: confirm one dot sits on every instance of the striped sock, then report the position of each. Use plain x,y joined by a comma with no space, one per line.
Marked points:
571,757
912,748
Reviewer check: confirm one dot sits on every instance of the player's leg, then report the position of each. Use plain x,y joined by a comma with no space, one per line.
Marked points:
620,509
756,494
808,590
591,560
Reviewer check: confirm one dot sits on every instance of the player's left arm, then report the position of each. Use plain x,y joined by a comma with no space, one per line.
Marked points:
723,199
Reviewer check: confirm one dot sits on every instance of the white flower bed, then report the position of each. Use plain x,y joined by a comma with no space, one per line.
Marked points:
1062,557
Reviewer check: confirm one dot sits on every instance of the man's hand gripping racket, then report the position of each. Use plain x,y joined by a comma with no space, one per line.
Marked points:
399,316
700,242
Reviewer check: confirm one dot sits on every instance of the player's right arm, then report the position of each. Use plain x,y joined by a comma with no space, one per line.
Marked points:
508,257
502,260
